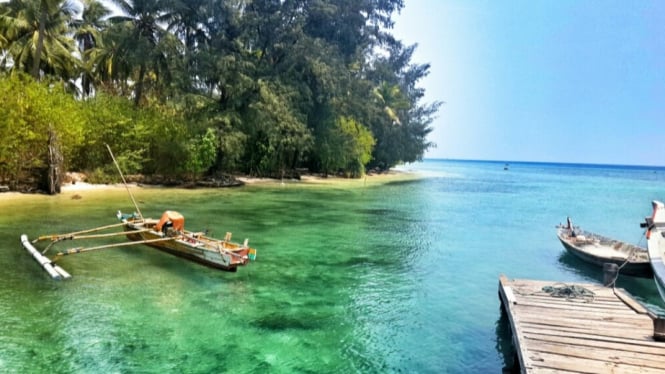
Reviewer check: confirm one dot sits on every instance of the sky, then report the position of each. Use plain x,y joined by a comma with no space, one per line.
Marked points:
549,81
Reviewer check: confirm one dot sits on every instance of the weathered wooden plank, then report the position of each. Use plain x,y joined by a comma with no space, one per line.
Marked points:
582,335
576,306
569,319
581,314
625,333
600,304
525,362
634,304
610,302
585,365
565,321
598,334
614,346
584,314
554,371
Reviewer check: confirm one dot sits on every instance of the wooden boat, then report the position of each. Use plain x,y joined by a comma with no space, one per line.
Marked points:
655,234
599,250
167,234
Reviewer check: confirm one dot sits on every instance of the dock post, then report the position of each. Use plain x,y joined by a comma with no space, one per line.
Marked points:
610,272
659,329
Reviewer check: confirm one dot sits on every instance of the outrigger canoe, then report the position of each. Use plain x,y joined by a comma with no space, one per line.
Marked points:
599,250
167,234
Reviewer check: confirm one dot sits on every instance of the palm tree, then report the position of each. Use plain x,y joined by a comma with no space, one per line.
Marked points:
146,41
87,33
393,101
35,33
108,61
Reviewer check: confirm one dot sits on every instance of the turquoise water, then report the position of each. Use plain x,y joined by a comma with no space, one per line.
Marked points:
401,277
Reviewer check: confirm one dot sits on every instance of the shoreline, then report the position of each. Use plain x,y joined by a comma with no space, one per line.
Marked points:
373,179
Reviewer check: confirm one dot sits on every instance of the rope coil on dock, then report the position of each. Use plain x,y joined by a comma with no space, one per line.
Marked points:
570,292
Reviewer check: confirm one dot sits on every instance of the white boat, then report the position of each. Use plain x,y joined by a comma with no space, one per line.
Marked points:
655,234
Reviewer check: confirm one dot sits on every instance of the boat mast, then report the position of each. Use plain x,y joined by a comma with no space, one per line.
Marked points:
125,183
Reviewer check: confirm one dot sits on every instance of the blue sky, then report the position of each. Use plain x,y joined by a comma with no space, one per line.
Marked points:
554,81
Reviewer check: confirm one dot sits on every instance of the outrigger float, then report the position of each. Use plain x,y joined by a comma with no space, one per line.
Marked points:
167,234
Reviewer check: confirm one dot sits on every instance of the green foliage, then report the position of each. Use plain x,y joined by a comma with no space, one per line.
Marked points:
280,136
116,122
183,89
36,37
29,110
346,147
201,153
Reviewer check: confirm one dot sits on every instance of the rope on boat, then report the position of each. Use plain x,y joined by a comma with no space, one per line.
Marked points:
570,292
630,254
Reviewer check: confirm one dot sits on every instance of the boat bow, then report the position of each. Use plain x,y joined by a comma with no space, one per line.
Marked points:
655,234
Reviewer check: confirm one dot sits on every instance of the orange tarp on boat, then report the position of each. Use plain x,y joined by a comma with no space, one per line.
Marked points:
175,218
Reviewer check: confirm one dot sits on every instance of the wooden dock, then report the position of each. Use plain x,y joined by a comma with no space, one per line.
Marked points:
607,332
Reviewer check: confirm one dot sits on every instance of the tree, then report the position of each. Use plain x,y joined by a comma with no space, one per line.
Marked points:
30,114
266,86
280,138
202,151
346,147
144,41
35,33
87,33
398,119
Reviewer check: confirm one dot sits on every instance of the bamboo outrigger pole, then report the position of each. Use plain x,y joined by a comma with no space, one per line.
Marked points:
125,182
74,251
57,237
93,236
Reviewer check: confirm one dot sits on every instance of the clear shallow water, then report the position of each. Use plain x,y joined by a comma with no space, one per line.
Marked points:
394,278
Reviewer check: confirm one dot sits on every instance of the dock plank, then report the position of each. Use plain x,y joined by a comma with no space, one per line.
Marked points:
622,353
611,332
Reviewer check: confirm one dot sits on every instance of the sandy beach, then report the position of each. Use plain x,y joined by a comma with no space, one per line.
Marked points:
369,179
313,180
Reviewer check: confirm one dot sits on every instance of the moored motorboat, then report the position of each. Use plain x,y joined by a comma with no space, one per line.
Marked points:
599,250
655,234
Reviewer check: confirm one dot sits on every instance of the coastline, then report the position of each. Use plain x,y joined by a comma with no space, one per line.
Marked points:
372,179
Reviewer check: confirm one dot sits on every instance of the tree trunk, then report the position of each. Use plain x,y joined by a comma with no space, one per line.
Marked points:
55,161
40,42
139,86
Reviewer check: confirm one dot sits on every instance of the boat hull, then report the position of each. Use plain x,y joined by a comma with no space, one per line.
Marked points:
210,252
656,245
604,251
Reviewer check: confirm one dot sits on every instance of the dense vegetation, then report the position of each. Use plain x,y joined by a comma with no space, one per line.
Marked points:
188,88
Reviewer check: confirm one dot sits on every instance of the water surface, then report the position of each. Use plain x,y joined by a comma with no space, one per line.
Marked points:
401,277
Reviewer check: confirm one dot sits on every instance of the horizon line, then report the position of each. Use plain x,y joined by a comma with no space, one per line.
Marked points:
542,162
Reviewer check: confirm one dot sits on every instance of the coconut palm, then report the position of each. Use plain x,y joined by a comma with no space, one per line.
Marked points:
393,101
146,42
35,33
87,33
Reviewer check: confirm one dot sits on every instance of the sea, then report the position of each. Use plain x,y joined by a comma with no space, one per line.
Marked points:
396,277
